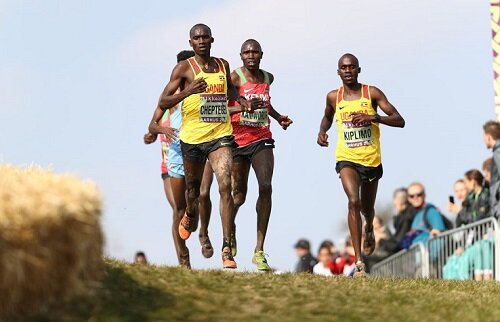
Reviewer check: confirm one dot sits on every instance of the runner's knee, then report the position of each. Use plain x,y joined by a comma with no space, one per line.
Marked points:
265,189
204,195
354,204
239,197
225,185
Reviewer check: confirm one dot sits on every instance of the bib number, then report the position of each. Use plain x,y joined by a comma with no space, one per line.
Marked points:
213,108
258,118
357,135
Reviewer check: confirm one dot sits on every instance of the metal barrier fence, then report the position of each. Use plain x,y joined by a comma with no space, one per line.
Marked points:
411,263
469,252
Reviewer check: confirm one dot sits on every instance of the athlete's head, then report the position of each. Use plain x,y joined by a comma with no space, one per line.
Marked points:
200,39
348,68
491,133
185,54
251,54
416,194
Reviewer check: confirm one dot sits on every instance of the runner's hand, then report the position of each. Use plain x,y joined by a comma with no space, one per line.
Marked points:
284,121
170,133
252,104
149,138
322,139
361,118
197,86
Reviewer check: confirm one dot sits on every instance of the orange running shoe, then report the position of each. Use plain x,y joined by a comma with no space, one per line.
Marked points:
227,258
185,226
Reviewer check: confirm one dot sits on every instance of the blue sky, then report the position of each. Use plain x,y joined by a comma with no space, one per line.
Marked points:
79,81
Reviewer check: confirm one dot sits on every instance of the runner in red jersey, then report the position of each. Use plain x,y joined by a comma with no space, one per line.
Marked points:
255,143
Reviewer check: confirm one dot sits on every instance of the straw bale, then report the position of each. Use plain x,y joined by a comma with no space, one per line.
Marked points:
50,238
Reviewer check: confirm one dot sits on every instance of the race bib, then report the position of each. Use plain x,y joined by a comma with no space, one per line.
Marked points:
357,135
213,108
258,118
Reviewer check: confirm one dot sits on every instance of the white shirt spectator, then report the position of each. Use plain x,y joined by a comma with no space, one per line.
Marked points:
320,269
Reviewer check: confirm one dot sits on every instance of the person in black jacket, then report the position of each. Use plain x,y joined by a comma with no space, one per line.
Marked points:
402,220
306,259
477,204
492,141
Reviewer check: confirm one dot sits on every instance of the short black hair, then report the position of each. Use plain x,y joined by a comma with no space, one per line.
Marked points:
348,55
140,253
185,54
248,41
199,25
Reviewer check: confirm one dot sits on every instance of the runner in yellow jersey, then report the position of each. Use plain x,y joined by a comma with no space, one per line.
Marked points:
358,158
206,130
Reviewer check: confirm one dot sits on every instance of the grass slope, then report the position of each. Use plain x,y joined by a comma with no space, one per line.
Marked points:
148,293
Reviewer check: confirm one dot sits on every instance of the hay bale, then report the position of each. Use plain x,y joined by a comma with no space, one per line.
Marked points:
50,238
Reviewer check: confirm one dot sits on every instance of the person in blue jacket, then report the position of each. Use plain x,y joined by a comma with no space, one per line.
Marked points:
416,197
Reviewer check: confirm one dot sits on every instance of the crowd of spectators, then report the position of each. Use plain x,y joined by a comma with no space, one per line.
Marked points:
416,220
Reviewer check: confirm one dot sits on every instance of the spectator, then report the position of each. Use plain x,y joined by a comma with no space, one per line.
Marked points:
416,195
140,258
344,264
487,172
492,141
477,257
306,259
460,194
324,259
333,249
402,221
476,205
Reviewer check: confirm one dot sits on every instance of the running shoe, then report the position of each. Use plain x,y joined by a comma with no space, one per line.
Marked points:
186,226
227,258
359,270
206,247
369,242
259,259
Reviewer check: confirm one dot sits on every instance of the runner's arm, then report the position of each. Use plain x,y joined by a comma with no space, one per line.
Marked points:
169,98
235,80
327,120
393,117
283,120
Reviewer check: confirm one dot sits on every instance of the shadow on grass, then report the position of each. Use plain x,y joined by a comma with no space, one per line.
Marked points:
121,298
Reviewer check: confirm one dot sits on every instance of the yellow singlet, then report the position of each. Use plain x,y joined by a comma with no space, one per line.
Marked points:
357,143
205,117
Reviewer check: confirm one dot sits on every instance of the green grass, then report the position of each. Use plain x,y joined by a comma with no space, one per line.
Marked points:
149,293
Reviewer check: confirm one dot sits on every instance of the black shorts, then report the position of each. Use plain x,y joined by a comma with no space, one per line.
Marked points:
367,174
198,153
247,152
165,176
